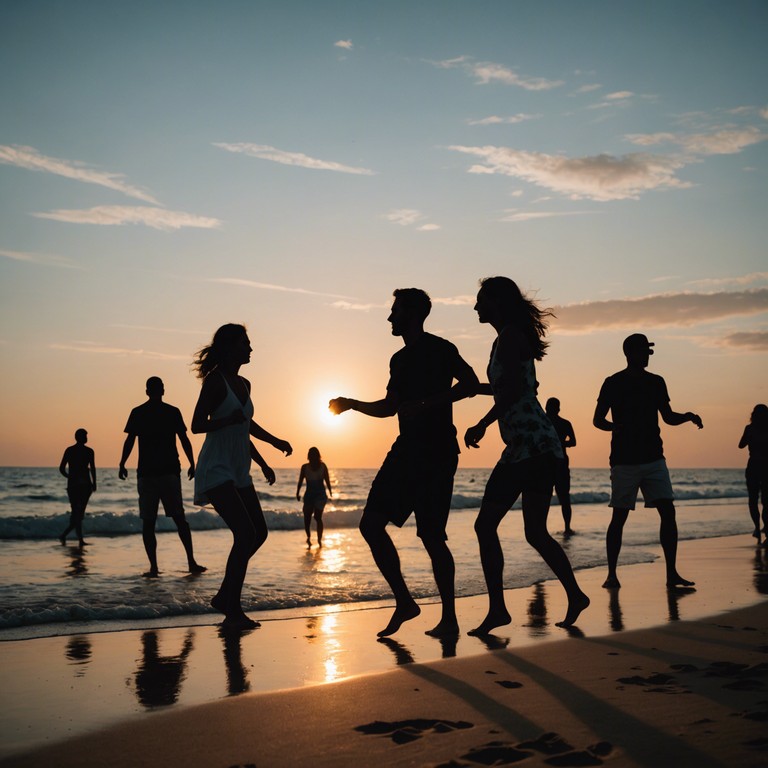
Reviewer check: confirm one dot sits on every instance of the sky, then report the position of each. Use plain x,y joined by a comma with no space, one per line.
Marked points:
169,167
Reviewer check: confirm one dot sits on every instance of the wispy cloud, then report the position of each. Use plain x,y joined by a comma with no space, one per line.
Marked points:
508,120
96,348
725,141
44,259
661,310
155,329
588,88
346,44
114,215
715,282
31,159
272,287
455,301
756,341
350,306
265,152
486,72
408,217
515,215
600,177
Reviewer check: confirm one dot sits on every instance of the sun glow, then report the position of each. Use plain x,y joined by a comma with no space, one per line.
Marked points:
324,415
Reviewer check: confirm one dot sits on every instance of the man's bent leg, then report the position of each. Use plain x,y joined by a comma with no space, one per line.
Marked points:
444,570
613,545
150,545
373,529
185,534
668,539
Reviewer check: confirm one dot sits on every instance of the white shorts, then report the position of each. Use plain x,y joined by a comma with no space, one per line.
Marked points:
652,479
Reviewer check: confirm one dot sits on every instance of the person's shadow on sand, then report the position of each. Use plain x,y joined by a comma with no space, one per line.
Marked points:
159,678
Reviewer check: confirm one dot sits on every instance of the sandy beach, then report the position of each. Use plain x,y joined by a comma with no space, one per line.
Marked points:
647,678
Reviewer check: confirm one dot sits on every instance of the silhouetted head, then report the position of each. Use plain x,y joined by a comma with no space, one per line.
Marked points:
501,303
553,406
409,310
637,349
230,345
81,436
760,415
313,456
155,387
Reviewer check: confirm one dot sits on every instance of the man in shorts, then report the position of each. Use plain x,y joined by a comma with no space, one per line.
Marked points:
635,399
157,425
79,467
417,474
567,436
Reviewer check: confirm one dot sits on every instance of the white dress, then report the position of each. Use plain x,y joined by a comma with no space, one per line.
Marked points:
226,452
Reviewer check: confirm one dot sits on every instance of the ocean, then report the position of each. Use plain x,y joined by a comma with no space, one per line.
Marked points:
47,588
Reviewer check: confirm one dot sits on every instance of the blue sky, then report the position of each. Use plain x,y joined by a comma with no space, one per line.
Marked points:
168,167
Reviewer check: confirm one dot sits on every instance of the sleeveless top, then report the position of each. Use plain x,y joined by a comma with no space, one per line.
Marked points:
226,452
525,427
315,484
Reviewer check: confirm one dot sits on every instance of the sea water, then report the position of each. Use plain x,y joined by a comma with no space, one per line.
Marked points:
44,584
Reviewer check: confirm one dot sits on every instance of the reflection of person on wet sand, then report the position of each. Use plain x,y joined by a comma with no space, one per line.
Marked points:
755,438
78,466
237,674
565,432
635,399
527,465
224,413
159,678
157,425
315,472
417,474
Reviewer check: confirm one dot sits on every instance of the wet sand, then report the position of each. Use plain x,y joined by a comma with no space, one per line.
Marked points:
649,677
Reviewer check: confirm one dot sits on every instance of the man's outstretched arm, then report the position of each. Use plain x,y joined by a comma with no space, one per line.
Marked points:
674,419
378,409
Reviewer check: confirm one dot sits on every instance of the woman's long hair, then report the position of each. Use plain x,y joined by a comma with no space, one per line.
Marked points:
210,356
760,416
520,311
314,458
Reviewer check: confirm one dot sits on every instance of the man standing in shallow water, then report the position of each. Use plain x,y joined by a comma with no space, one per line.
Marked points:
417,474
79,467
635,399
157,425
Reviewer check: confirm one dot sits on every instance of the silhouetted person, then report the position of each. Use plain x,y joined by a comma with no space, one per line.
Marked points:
527,465
755,438
159,678
157,425
565,432
417,474
78,466
224,412
635,399
316,475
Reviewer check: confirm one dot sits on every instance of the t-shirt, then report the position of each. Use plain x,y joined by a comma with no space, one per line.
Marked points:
634,399
156,424
419,370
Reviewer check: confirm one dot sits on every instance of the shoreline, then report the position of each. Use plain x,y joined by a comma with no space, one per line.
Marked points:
79,685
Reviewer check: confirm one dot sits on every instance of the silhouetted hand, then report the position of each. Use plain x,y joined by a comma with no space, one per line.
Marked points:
298,495
339,405
474,435
191,473
696,420
269,474
284,446
122,473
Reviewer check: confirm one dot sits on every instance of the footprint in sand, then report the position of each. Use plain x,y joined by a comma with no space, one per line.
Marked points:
508,683
403,731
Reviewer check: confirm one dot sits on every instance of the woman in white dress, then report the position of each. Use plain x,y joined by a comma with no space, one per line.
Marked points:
224,412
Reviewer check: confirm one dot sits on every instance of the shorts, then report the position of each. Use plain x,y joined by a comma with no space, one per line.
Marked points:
315,501
420,484
153,490
509,479
78,500
652,479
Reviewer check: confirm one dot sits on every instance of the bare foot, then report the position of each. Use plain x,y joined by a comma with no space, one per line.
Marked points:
678,581
218,603
446,628
197,568
575,607
152,573
568,532
491,621
82,543
239,622
399,617
611,583
63,539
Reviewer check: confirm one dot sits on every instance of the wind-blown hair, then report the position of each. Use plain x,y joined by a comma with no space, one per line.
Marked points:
314,457
210,356
416,300
517,309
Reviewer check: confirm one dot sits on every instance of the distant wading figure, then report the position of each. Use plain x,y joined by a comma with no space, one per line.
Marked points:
158,475
417,474
528,463
78,466
316,474
565,432
635,399
224,413
755,438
